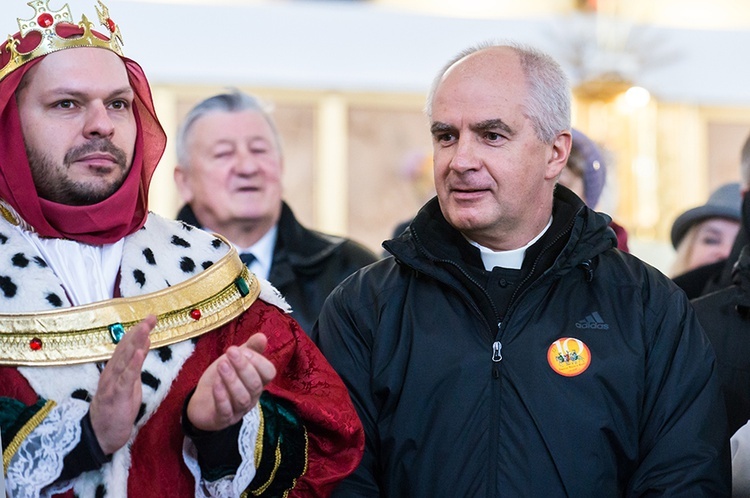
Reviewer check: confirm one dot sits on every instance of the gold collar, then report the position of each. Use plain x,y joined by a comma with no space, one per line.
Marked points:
89,333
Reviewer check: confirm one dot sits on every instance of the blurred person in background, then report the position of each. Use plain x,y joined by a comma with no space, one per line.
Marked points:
705,234
585,174
229,175
725,316
715,276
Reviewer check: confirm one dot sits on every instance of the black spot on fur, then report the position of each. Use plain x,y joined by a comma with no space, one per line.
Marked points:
165,353
187,227
140,277
101,491
148,379
40,262
179,241
149,255
81,394
194,340
187,265
54,300
141,413
216,243
206,264
3,238
20,260
8,287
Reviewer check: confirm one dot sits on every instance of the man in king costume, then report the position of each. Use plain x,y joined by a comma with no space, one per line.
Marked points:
130,363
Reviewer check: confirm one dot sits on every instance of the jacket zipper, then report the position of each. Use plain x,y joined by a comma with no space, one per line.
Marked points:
496,350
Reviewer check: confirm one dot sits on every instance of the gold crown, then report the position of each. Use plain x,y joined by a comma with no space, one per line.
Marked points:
45,22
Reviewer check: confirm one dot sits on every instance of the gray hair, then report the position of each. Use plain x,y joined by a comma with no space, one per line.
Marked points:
548,103
232,101
745,164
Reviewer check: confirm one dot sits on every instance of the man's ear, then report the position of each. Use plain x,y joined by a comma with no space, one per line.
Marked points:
181,179
559,152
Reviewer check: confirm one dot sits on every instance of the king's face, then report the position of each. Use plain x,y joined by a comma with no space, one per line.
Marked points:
76,112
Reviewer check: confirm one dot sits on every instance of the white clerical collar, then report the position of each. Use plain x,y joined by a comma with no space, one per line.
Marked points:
512,259
263,252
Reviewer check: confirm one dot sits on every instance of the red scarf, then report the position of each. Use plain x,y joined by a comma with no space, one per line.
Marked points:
105,222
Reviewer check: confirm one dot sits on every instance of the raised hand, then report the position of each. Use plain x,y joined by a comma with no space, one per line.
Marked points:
231,386
115,405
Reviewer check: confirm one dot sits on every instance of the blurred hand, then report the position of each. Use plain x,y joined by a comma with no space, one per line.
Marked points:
231,386
117,401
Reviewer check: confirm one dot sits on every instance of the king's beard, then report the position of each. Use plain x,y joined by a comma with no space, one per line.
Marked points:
53,182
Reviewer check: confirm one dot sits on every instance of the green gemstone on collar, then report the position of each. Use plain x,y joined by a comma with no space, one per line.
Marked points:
242,286
117,331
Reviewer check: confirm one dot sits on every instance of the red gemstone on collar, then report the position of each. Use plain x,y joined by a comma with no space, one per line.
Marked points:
195,314
45,20
111,25
35,344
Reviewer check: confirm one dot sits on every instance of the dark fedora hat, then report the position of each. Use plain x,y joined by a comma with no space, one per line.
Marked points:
724,202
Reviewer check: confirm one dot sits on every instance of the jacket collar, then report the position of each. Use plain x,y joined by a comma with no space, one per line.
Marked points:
430,238
297,248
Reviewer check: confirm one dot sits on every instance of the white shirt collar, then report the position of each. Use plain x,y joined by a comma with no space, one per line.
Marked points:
512,259
263,252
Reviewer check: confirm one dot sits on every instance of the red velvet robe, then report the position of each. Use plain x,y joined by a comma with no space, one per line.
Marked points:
304,378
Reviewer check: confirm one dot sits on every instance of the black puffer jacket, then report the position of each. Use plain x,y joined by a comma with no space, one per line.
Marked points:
307,265
725,315
447,416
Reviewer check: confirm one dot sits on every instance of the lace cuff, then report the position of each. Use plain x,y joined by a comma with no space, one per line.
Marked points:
38,462
230,485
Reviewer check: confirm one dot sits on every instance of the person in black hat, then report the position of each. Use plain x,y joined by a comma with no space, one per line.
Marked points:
705,234
715,276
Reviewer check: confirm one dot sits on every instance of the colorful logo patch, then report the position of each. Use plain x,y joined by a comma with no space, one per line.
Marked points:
569,356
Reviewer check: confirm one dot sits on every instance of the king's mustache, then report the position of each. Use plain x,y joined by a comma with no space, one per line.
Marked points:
97,145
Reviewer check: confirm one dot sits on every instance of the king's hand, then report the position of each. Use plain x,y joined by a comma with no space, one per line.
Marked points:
231,386
117,401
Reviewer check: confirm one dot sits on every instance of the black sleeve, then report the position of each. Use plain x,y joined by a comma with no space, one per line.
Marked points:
218,451
87,455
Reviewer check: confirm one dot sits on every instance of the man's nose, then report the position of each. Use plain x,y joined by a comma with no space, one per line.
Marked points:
98,121
465,155
246,163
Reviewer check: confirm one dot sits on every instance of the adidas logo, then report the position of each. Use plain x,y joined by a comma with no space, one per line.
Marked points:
592,321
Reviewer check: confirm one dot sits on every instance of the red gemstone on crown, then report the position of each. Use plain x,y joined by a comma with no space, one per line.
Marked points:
35,344
111,25
45,20
195,314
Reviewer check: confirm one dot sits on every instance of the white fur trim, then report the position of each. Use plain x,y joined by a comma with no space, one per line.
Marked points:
161,254
271,295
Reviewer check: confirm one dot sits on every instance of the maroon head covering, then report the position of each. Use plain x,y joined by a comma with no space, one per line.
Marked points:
122,213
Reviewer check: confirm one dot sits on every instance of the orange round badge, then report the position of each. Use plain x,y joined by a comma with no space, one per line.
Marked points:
569,356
